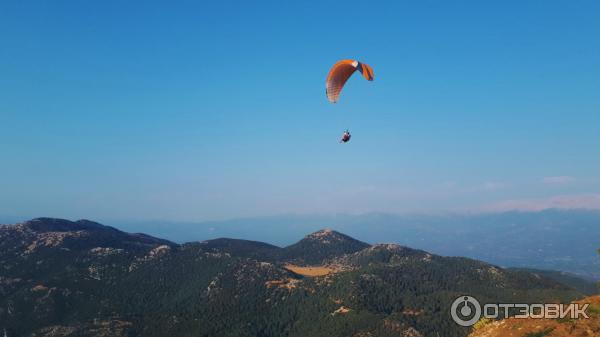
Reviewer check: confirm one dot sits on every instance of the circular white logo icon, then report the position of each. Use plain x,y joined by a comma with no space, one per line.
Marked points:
465,311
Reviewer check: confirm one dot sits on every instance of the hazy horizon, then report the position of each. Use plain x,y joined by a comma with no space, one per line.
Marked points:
12,218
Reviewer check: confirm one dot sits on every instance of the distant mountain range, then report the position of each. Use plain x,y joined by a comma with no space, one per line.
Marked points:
563,240
81,278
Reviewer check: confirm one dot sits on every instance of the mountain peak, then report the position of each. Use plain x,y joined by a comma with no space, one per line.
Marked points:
324,231
77,235
328,235
324,234
61,225
321,245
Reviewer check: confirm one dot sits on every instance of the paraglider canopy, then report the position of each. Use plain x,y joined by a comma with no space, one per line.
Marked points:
340,73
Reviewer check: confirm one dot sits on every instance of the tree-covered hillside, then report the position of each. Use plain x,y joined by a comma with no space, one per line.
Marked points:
62,278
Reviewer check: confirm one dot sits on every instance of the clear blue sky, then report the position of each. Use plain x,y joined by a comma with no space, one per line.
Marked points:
207,110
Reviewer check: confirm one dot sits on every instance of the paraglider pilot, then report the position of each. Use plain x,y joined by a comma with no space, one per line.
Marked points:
345,137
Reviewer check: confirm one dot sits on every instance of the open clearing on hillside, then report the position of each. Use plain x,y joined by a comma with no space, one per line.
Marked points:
312,271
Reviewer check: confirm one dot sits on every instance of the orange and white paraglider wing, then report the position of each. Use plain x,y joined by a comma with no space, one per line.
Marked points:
367,71
340,73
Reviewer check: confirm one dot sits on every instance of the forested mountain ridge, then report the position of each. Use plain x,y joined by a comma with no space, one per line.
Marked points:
321,245
63,278
509,239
